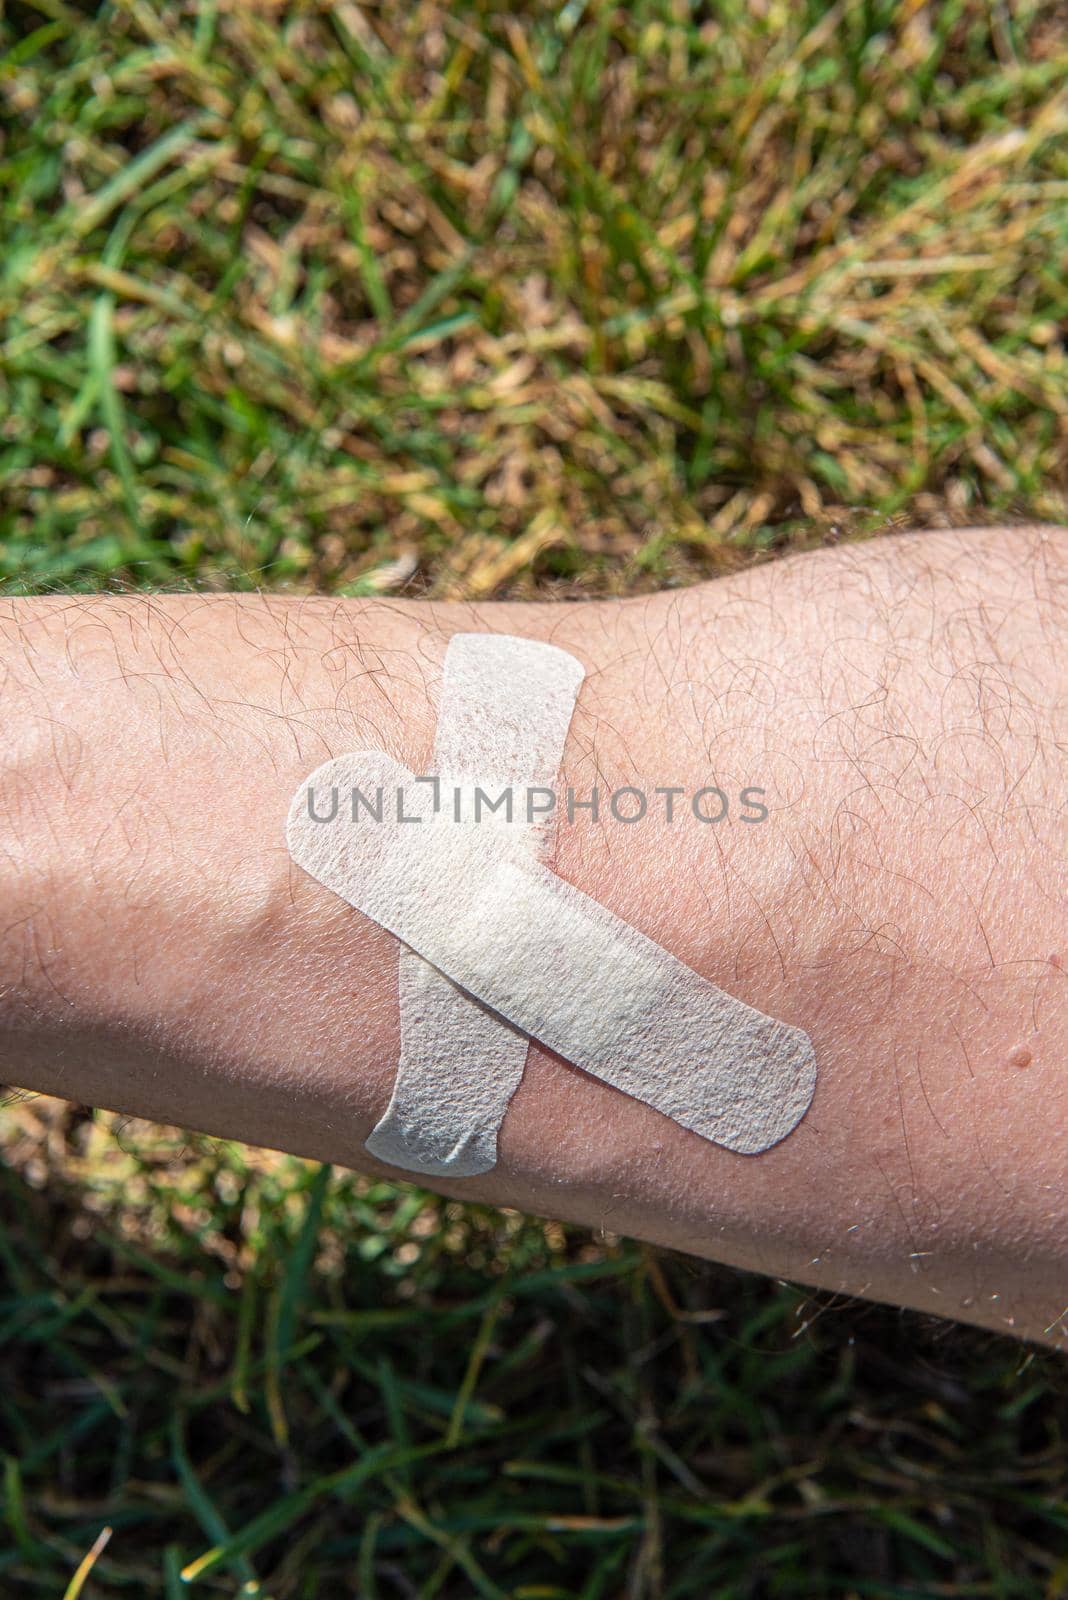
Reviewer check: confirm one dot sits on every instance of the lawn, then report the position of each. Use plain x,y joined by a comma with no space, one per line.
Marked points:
475,301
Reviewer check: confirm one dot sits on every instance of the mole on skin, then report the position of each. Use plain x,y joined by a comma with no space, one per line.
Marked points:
1020,1057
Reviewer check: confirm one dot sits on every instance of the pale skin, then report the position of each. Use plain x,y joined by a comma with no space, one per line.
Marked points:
904,706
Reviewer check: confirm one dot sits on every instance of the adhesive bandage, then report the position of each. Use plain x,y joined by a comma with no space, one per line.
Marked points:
506,704
514,951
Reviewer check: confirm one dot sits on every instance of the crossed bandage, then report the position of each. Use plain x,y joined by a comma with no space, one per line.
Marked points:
498,950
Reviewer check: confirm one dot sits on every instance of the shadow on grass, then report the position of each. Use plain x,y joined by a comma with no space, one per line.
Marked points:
280,1380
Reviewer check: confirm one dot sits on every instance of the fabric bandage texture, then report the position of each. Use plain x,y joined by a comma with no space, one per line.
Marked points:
505,708
515,952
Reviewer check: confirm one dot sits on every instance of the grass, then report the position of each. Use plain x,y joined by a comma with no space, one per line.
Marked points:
475,301
600,296
259,1373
